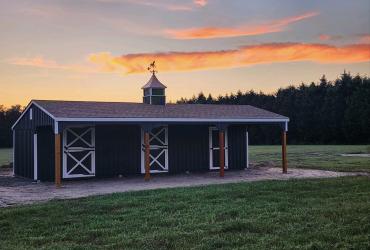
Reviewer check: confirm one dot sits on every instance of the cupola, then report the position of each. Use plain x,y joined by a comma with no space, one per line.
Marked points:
154,90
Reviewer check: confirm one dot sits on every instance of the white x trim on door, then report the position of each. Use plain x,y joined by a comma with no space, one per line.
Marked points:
161,145
85,147
79,137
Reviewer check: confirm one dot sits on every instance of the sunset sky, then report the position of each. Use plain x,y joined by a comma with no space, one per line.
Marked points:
100,49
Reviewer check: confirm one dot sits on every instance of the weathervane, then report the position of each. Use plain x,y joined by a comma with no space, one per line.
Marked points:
152,68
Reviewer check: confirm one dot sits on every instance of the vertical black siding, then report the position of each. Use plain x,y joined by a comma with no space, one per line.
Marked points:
39,118
117,150
45,154
188,148
24,131
23,153
237,147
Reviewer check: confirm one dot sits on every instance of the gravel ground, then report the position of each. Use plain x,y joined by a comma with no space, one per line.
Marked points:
16,191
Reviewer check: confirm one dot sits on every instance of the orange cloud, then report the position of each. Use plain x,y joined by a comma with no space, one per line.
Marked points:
244,56
247,30
188,61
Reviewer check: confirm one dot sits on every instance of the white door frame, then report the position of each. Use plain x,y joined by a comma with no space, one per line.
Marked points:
91,148
217,148
154,159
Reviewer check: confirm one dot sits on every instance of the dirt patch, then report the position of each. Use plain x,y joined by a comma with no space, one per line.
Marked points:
265,164
14,191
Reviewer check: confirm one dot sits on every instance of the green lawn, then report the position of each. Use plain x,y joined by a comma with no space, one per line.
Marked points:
5,156
301,214
325,157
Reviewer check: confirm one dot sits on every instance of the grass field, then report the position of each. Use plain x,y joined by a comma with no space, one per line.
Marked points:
317,156
327,157
304,214
5,156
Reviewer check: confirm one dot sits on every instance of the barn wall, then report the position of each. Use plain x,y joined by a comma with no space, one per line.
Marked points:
23,153
188,148
237,147
45,153
117,150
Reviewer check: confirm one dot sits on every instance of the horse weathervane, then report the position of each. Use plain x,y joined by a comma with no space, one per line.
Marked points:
152,68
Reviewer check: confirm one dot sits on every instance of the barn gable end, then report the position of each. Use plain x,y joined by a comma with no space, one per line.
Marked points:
24,129
32,117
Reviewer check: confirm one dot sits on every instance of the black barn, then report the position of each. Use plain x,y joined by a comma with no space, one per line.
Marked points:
56,140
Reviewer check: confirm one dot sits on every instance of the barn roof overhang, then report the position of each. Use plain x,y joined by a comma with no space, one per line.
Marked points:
275,119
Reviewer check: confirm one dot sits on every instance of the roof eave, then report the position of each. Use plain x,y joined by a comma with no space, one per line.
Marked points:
185,120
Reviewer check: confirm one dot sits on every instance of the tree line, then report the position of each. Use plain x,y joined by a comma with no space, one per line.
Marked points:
326,112
8,116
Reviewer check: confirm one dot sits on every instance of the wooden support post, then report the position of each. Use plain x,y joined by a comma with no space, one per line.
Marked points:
283,145
58,179
147,156
222,152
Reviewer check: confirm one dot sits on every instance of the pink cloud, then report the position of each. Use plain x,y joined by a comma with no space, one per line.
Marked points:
41,62
164,4
246,30
200,3
364,38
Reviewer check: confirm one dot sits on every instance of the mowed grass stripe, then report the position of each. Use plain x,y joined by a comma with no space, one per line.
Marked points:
303,214
324,157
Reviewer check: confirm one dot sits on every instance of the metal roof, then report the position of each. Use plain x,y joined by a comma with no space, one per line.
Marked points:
85,109
154,83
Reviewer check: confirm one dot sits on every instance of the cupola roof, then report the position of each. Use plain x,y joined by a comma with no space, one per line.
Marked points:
154,83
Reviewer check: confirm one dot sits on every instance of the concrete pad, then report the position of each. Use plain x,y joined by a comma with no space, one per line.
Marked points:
14,190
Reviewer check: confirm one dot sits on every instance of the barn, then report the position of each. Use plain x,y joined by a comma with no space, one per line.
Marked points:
61,140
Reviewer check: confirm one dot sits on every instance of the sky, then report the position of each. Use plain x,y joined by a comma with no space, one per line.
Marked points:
100,49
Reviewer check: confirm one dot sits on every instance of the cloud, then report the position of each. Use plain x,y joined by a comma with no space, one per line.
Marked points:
246,30
241,57
41,62
359,38
104,62
364,38
162,4
326,37
200,3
